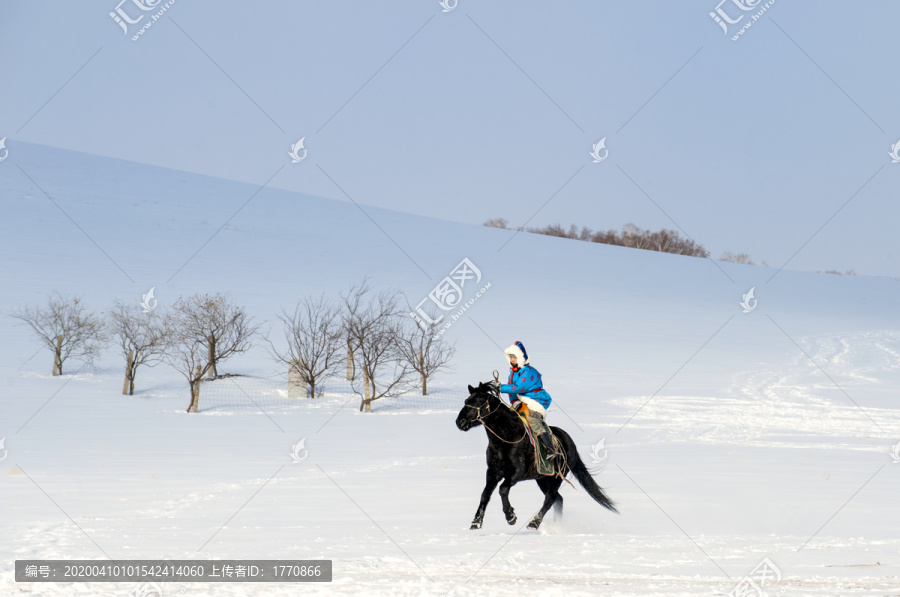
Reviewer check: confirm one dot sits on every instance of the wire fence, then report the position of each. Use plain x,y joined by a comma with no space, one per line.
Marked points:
244,392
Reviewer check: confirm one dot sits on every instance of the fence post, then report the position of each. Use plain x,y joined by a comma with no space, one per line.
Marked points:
211,351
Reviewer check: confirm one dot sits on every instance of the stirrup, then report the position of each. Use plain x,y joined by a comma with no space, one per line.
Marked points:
550,452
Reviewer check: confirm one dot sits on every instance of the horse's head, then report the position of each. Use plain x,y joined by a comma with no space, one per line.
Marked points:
481,401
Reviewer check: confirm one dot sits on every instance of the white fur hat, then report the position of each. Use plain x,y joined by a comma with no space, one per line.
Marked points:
517,350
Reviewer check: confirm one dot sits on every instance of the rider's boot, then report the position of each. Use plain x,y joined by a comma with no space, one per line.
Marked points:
547,440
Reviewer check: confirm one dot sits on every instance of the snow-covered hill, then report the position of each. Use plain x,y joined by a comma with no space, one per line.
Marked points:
731,436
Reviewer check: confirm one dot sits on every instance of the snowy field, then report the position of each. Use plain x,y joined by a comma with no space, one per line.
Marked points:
730,437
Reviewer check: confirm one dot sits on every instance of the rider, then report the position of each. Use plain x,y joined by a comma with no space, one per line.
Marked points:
526,393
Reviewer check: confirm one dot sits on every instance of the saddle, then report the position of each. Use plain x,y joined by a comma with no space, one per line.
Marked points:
543,464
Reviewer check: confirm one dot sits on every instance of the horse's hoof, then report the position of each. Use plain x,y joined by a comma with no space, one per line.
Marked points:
511,520
475,525
534,524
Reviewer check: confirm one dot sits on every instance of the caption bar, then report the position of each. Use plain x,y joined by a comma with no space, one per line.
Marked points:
173,571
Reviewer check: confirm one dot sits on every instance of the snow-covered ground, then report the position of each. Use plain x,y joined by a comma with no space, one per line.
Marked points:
731,437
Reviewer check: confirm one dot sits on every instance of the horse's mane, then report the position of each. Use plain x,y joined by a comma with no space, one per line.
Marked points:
493,391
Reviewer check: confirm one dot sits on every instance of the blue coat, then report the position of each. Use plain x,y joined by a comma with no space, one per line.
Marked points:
527,382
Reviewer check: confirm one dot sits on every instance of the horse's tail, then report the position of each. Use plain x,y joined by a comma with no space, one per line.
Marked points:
581,472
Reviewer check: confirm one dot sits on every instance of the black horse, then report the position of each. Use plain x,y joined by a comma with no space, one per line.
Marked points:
510,456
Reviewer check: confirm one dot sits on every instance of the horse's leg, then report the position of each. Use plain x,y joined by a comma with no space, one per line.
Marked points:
550,487
492,478
504,497
558,507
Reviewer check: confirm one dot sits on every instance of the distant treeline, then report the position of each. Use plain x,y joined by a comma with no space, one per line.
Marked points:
665,241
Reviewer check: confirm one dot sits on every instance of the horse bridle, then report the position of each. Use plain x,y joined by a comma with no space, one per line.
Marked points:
480,418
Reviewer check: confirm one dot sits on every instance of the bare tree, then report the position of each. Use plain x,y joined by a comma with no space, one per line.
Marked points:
204,330
374,323
314,341
425,351
143,338
66,328
220,326
187,355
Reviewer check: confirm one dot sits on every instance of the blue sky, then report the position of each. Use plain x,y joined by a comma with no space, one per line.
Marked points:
775,145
